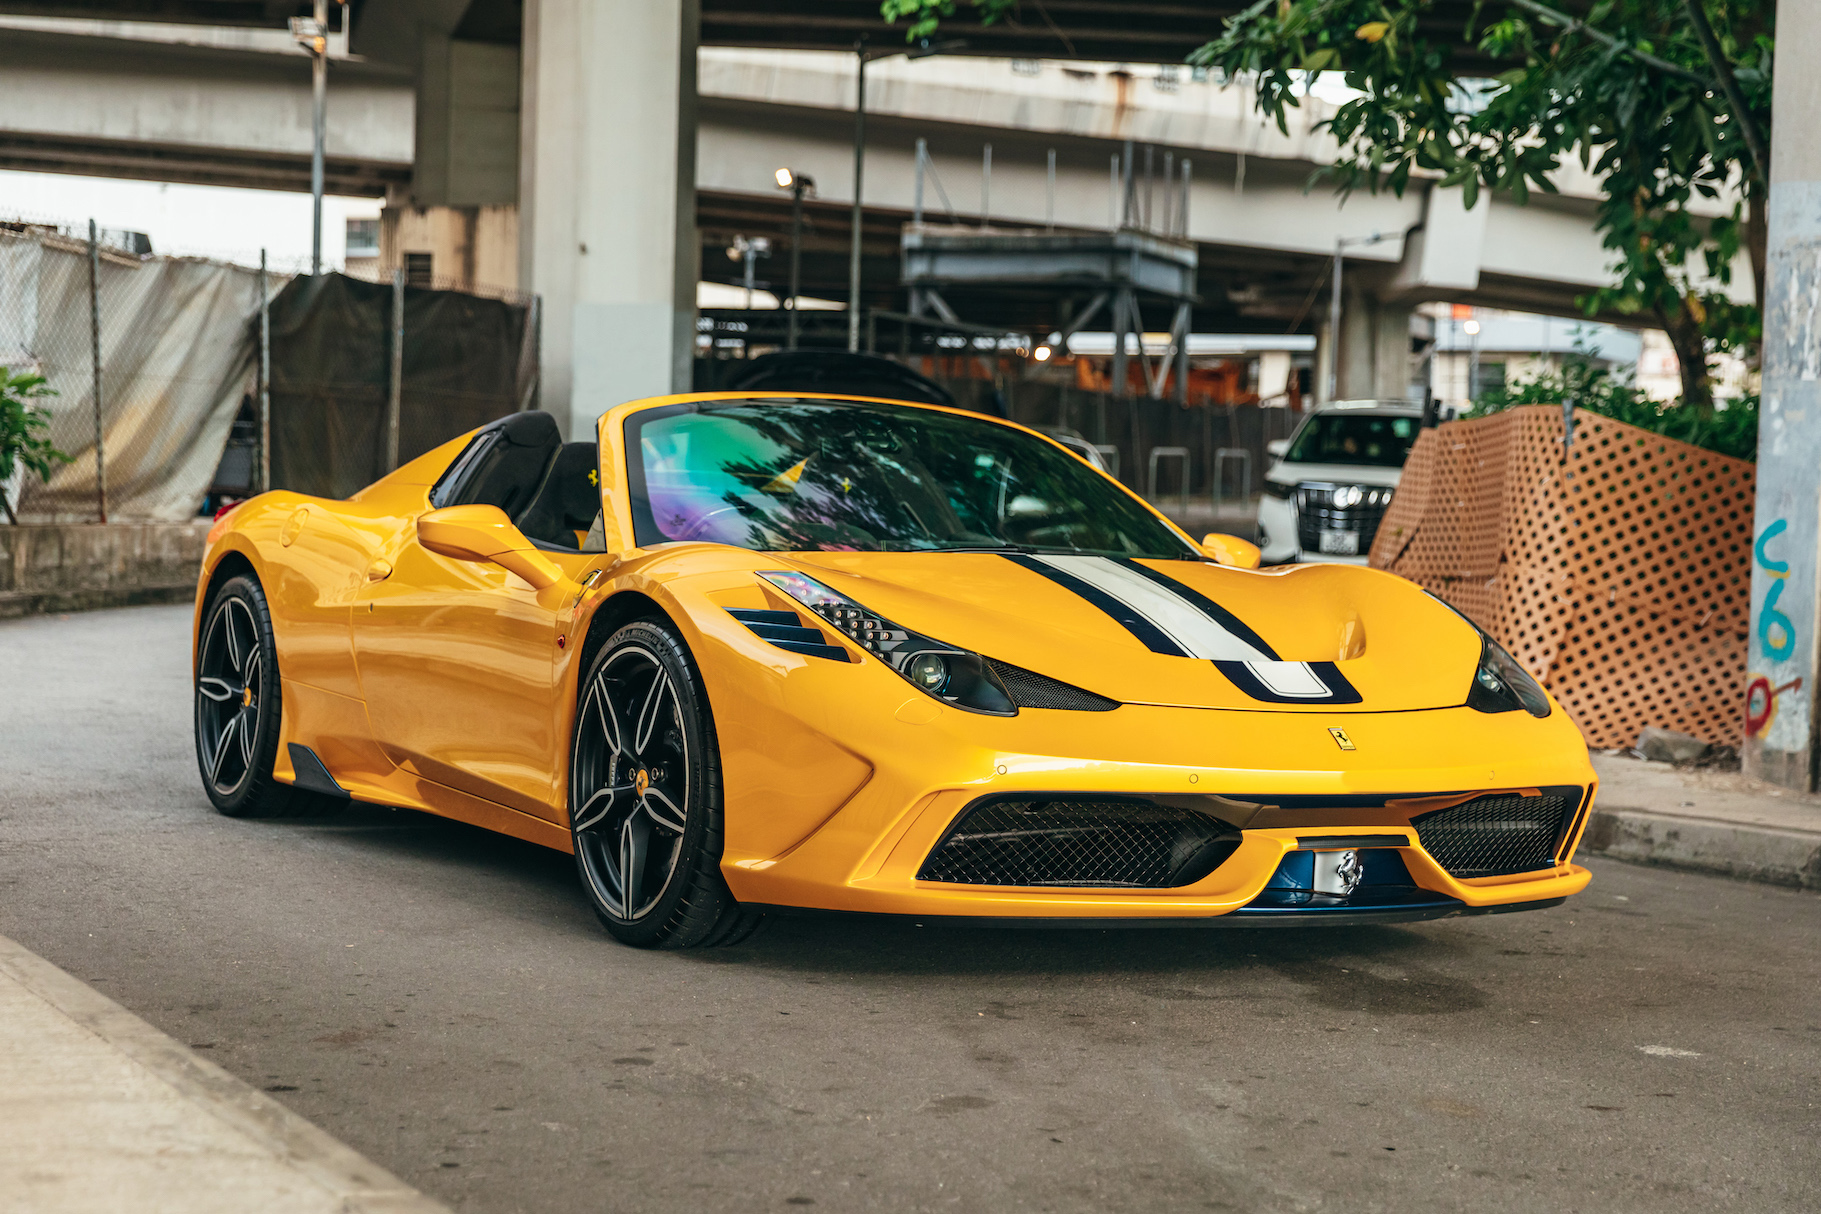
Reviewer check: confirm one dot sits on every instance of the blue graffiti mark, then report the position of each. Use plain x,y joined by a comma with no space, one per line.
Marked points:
1769,618
1774,568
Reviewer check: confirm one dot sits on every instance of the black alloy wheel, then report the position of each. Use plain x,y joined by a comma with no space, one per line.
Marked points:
238,708
645,797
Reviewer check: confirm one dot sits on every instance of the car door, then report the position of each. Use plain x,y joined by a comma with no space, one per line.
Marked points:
457,658
457,662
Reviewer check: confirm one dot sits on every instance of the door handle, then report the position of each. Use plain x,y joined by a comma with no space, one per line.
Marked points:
379,570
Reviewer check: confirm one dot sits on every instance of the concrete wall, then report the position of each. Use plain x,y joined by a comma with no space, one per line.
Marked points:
79,566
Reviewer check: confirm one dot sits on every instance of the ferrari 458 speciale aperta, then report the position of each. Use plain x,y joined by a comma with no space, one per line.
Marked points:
757,652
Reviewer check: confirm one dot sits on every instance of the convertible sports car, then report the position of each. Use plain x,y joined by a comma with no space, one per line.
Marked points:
751,652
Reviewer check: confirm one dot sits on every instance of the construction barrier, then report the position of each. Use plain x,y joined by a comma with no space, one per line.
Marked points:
1616,567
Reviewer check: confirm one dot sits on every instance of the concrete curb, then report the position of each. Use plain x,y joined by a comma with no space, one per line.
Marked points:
1750,853
361,1186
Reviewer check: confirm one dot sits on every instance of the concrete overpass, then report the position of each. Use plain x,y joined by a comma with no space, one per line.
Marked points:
616,162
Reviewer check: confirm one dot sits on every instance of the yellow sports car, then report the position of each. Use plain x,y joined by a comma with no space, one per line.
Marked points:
755,652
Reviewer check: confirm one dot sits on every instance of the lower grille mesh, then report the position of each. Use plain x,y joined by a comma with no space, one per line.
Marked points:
1080,842
1496,835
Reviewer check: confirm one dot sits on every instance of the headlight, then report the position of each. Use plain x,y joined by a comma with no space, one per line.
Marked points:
1501,685
954,676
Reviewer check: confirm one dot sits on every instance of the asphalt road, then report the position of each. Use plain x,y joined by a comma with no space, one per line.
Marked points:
442,1000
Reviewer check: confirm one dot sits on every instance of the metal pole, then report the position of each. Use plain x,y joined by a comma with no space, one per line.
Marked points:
319,89
1049,198
796,256
986,185
853,252
1334,325
1182,208
265,377
1473,368
917,189
395,387
95,363
1127,201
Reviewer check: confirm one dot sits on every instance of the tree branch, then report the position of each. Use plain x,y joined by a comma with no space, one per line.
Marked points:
1729,85
1574,25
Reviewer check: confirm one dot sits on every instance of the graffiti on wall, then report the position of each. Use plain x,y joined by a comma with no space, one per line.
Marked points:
1776,639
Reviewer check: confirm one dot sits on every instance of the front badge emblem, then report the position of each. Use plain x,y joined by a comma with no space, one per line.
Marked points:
1340,737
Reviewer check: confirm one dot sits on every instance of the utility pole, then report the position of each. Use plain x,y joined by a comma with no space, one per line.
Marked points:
265,378
853,250
312,33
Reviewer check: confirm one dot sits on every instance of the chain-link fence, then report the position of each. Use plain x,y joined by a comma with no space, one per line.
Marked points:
149,358
157,362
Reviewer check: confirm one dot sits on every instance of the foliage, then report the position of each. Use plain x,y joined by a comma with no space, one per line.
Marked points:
1627,91
1730,430
926,15
20,425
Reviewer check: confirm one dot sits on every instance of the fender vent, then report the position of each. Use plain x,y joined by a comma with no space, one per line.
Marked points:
785,630
1096,842
1029,689
1497,835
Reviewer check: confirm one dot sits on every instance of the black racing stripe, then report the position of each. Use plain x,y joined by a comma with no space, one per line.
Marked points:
1153,637
1339,690
1202,603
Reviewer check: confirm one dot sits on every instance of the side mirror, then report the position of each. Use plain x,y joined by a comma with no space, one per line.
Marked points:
1230,550
484,533
1277,448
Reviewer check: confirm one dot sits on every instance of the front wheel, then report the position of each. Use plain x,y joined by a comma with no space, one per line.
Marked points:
238,707
645,797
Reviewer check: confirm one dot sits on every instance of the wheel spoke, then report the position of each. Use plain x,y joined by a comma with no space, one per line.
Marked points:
221,748
598,806
610,719
233,638
250,678
249,722
219,690
663,810
633,837
652,709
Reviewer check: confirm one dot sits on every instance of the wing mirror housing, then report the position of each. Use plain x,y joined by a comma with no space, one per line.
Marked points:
484,533
1277,448
1230,550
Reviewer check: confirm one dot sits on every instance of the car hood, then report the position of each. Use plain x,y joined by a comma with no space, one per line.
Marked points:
1335,474
1311,638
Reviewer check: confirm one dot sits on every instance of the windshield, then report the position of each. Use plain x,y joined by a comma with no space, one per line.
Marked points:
852,476
1337,438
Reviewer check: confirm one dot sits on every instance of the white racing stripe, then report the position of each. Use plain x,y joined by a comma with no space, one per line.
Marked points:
1196,633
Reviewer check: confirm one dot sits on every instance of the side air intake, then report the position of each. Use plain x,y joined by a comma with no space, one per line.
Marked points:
1500,834
1029,689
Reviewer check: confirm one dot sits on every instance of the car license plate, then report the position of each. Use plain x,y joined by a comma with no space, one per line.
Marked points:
1340,543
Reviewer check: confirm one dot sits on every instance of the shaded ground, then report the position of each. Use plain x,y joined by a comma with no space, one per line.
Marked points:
442,1000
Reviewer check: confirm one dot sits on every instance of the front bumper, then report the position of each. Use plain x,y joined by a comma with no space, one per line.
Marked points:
923,766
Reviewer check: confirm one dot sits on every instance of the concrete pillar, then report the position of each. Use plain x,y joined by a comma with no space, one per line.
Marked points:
1374,348
1781,666
607,229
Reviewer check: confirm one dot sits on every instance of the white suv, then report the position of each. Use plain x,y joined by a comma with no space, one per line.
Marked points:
1328,489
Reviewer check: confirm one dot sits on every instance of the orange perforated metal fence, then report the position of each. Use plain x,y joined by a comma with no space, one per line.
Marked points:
1620,576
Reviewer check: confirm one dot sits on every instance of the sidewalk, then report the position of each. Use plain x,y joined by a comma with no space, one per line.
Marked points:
1705,821
99,1111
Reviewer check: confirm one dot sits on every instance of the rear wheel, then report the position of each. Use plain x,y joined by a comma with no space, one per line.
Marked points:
645,797
238,708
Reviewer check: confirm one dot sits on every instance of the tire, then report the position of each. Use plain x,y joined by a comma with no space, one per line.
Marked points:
645,797
239,707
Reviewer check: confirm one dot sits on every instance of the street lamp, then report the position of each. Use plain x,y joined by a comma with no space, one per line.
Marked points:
798,185
312,34
862,57
1340,246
